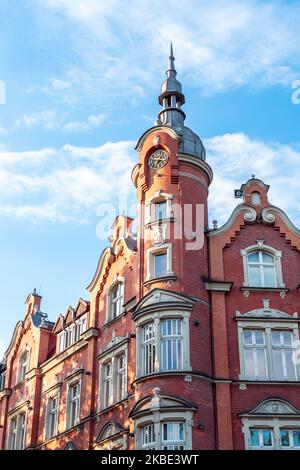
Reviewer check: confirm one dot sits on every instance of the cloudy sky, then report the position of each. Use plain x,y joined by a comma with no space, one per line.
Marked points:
82,79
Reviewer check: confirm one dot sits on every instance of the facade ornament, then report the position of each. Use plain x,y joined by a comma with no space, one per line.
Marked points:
267,217
158,234
250,216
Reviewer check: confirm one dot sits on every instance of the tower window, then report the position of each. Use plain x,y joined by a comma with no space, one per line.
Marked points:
160,265
161,210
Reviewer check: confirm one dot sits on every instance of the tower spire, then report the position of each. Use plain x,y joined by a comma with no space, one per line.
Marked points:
171,68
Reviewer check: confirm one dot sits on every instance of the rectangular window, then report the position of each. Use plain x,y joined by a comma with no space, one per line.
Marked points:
173,435
282,354
148,437
148,348
107,385
117,300
160,265
161,210
52,416
13,434
74,404
121,377
17,432
255,354
171,345
290,439
61,341
261,439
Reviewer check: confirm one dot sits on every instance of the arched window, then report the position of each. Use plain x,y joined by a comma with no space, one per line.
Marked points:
261,269
255,198
23,365
262,266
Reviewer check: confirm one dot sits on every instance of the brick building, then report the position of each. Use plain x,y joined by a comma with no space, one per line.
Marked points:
190,337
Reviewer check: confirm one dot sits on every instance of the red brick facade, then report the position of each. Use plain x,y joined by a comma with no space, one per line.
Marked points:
101,378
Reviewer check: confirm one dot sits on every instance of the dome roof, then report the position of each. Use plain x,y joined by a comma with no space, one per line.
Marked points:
192,144
171,84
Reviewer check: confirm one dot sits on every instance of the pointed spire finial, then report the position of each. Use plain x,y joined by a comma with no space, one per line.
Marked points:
171,67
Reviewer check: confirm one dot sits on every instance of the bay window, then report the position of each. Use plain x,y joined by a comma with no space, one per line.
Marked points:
163,343
148,437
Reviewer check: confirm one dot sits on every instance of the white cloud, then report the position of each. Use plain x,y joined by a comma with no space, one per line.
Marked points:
219,44
46,119
92,122
49,119
66,184
69,183
235,157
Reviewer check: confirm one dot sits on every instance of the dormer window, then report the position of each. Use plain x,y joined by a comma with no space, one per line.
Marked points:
71,334
23,366
262,266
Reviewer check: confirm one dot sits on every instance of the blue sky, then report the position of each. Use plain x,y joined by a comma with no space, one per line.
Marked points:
82,80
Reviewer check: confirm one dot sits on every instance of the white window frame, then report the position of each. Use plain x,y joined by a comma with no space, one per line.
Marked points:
267,326
112,358
157,318
157,419
19,431
55,394
119,280
121,373
150,210
166,248
23,367
273,423
276,254
70,402
254,348
290,430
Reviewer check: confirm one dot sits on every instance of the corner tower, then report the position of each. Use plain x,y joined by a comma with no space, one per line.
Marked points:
172,314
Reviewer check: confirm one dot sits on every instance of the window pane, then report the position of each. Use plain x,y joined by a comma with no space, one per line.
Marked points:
261,364
259,337
254,274
276,338
287,338
160,265
254,438
285,438
267,437
267,258
296,438
160,210
269,275
253,258
278,366
249,364
290,369
247,337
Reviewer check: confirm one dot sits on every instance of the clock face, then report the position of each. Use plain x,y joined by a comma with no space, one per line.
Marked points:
158,159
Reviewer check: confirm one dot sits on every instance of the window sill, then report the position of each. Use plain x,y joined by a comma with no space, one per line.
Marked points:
113,320
281,290
267,382
159,222
169,277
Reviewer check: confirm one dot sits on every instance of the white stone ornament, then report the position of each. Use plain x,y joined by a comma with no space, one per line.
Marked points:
158,235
